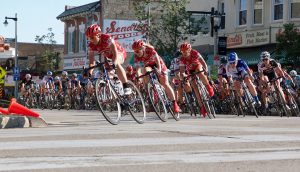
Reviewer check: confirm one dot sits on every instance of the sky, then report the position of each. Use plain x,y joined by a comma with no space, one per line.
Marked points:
34,18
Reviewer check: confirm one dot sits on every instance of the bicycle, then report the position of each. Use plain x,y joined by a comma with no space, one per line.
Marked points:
205,99
278,97
113,103
158,98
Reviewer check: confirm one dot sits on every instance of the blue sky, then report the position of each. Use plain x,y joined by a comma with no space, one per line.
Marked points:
35,17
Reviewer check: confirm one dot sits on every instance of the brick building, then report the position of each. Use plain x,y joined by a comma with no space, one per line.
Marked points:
105,13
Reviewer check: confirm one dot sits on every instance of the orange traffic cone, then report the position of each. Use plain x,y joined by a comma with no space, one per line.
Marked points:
3,111
16,108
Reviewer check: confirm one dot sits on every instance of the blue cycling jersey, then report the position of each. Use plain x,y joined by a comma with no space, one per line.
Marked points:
239,70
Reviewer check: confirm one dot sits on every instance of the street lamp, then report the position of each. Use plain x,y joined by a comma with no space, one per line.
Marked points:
16,48
215,20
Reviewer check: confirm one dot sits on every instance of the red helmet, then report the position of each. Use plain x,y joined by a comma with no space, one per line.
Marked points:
138,44
185,46
92,30
129,68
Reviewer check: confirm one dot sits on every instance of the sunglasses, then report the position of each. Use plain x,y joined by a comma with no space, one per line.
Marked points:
265,60
231,62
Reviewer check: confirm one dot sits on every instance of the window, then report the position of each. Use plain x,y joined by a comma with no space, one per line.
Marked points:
222,11
71,39
82,39
278,9
243,12
258,12
295,8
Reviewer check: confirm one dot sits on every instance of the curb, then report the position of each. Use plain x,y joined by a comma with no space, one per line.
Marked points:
18,121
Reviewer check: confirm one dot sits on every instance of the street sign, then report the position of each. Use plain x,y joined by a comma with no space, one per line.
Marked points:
16,78
16,70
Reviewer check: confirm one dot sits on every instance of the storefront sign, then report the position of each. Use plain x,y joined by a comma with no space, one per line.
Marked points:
125,31
75,63
248,39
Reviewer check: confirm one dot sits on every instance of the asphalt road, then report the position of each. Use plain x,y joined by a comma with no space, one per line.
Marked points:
84,141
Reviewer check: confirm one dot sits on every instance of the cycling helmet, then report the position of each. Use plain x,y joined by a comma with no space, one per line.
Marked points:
185,46
56,78
293,73
64,73
223,60
75,75
49,73
138,44
92,30
265,55
232,57
129,68
28,76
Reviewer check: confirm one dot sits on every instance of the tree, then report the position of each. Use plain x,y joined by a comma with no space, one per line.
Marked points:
169,24
49,59
289,42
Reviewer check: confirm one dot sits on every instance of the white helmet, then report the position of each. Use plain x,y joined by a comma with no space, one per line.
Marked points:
64,73
28,76
293,73
56,78
265,55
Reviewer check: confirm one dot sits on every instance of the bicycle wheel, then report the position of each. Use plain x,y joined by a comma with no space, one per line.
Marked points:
136,104
250,102
157,103
108,102
294,107
188,104
283,104
205,99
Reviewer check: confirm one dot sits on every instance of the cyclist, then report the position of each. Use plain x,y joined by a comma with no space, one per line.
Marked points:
47,82
238,69
65,81
106,46
57,85
269,69
222,78
296,78
192,61
146,54
26,84
130,73
86,83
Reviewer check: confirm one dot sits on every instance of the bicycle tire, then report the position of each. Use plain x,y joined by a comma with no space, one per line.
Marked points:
106,98
294,107
250,101
205,99
136,104
158,104
189,104
283,104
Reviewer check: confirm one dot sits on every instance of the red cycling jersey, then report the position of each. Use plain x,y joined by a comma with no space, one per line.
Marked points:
149,59
104,46
192,62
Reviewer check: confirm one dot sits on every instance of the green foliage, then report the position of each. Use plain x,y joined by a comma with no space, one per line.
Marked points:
289,42
169,24
49,59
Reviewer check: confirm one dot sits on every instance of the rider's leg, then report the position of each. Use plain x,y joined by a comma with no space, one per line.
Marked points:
251,88
205,81
163,78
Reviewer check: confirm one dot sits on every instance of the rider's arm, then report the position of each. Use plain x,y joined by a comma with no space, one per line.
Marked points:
157,62
202,61
114,51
